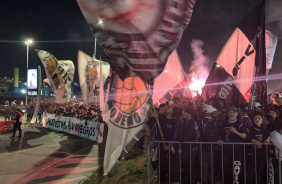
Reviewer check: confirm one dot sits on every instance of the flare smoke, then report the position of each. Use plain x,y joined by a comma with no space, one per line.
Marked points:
200,65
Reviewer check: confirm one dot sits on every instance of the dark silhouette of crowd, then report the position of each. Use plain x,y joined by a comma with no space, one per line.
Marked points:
209,126
73,108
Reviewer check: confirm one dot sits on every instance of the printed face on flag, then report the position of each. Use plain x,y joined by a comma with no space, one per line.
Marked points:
51,66
60,75
137,35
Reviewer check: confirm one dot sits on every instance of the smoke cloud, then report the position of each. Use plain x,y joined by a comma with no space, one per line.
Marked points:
273,14
200,65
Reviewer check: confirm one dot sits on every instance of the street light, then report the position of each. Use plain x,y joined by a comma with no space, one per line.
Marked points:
27,43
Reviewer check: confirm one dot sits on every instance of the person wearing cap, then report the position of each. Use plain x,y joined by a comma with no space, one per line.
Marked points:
243,111
208,133
18,123
257,106
232,130
257,135
188,132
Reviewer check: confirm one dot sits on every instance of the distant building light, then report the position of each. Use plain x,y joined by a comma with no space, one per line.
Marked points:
23,91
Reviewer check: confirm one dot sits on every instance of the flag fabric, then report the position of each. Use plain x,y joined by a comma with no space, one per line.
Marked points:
261,88
88,76
232,76
60,75
170,81
271,39
126,114
105,71
138,35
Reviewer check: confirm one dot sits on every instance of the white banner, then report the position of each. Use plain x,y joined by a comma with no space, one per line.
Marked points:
89,129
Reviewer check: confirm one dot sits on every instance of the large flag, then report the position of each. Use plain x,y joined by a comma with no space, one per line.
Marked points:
137,35
232,76
126,113
89,75
171,80
271,39
59,75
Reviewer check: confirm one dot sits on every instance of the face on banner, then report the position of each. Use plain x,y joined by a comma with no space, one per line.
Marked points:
60,75
137,35
130,102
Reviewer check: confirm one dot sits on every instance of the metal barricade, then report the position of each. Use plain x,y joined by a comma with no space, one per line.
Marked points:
227,160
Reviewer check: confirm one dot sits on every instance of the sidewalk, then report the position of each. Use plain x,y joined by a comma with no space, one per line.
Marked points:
46,156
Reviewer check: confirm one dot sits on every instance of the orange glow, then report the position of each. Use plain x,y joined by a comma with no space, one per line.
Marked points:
196,85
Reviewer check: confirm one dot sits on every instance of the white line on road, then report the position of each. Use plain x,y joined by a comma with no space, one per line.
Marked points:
7,138
15,152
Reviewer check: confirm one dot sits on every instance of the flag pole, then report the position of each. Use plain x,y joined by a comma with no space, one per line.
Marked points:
95,48
158,123
185,79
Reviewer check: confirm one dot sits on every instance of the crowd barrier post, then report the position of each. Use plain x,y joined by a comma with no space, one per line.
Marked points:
200,152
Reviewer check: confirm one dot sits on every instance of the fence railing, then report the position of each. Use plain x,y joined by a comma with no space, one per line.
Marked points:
208,162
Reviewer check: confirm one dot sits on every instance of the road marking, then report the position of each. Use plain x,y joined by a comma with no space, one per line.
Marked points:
15,152
7,138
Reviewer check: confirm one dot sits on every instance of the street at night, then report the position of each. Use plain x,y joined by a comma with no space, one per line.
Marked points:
141,91
46,156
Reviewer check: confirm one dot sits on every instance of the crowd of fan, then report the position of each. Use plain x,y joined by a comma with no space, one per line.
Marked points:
186,120
73,108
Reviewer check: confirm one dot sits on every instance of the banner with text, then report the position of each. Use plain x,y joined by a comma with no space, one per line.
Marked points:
89,129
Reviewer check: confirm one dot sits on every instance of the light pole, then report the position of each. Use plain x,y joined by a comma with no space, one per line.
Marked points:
27,43
100,22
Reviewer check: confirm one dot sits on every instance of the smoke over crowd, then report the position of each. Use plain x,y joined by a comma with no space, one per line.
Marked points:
199,71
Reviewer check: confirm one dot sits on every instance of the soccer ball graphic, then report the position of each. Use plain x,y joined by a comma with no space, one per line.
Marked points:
130,94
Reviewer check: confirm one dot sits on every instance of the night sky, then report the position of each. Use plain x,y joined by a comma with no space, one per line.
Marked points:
58,26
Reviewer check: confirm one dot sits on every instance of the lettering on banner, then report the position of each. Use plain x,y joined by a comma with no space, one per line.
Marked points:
53,123
237,170
124,120
79,128
248,52
226,88
270,171
85,128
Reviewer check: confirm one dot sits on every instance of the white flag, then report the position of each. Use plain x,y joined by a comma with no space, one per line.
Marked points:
126,113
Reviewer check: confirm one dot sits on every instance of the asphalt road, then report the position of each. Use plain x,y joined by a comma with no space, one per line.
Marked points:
46,156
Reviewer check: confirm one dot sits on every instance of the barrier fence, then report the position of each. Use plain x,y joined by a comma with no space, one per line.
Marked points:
207,162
